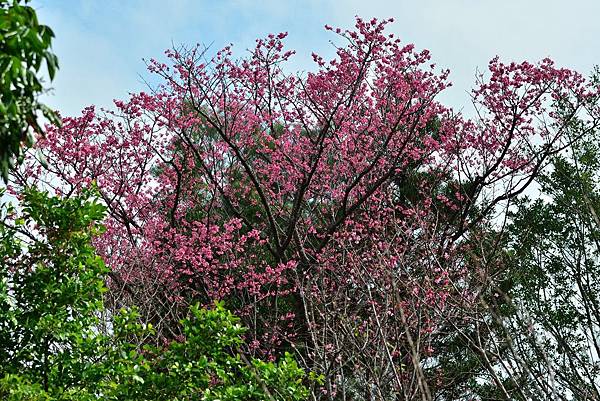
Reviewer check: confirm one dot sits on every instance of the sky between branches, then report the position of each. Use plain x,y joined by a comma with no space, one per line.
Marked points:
101,43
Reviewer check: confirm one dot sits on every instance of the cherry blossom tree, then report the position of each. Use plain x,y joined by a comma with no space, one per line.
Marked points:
340,212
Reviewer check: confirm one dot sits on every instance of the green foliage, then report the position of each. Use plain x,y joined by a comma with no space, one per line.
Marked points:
555,242
58,343
206,365
52,285
24,48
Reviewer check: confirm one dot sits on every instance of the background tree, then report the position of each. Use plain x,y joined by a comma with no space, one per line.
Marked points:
24,48
533,334
552,336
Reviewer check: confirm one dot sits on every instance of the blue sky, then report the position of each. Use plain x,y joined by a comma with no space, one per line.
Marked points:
101,43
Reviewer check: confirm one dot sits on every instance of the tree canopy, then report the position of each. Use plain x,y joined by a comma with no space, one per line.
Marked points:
25,46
